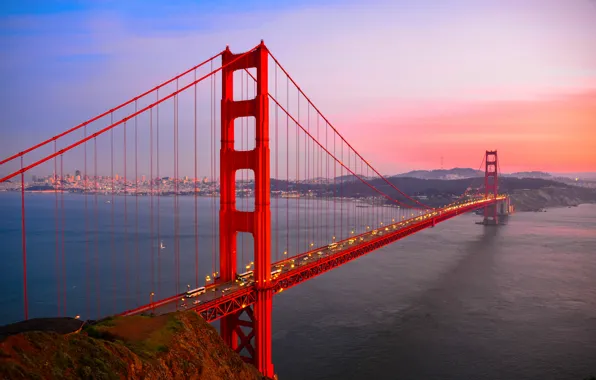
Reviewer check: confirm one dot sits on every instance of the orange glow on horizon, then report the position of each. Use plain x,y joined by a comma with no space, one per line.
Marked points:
557,134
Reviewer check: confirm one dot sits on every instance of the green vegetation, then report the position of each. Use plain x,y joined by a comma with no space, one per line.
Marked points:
145,343
175,325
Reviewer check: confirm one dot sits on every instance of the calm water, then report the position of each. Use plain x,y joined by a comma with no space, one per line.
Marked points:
459,301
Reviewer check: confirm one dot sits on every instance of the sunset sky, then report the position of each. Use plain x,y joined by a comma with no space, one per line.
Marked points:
425,79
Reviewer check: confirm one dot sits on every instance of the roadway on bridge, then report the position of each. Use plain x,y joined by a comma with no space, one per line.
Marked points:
287,266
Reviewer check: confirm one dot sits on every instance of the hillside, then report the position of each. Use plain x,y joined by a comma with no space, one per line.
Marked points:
535,199
172,346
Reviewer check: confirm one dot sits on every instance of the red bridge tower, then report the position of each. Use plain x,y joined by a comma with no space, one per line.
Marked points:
257,342
491,185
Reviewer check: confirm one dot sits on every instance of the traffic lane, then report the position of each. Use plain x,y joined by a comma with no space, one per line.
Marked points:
286,265
213,292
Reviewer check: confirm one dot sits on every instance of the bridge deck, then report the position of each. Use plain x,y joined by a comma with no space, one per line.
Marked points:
222,299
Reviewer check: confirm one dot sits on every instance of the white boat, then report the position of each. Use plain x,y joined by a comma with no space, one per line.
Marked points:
161,245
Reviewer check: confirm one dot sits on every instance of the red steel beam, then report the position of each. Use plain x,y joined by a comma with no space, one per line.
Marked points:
226,305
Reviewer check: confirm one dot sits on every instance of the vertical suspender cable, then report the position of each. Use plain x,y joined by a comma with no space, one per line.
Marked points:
195,191
126,254
62,212
213,125
276,224
153,245
112,247
174,137
96,263
307,177
159,245
287,167
137,288
24,242
298,177
242,183
87,258
57,259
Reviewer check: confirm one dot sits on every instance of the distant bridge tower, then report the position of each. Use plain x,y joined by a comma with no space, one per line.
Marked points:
491,185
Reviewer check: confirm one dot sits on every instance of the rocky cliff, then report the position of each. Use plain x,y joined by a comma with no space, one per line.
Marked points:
535,199
172,346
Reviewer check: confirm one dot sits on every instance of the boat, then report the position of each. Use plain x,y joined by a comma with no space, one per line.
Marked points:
161,245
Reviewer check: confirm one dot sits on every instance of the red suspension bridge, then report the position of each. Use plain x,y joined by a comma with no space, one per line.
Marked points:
295,200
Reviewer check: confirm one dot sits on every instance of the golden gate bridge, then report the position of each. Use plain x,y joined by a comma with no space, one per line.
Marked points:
243,124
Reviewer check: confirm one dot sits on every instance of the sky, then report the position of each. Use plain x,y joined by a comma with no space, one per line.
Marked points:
410,84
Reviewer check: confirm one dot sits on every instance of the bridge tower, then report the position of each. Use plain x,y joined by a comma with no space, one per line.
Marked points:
491,185
257,341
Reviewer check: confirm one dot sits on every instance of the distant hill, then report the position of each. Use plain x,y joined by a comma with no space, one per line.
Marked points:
455,173
353,178
432,188
582,175
532,174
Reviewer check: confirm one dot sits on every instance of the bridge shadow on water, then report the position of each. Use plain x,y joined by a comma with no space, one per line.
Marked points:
443,332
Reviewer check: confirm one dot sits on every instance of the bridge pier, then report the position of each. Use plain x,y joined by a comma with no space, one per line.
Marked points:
502,213
263,308
249,337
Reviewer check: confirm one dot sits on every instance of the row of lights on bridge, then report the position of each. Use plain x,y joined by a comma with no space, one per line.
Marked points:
251,264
